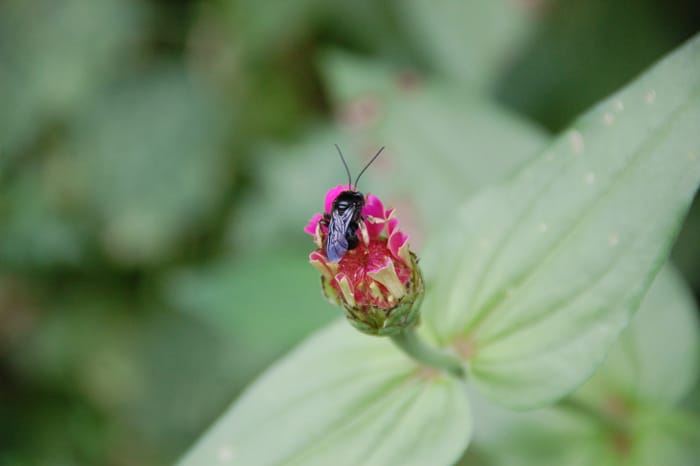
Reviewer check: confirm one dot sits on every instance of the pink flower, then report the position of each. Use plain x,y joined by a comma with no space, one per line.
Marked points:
377,282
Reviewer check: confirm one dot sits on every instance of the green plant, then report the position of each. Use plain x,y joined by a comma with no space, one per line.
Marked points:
530,283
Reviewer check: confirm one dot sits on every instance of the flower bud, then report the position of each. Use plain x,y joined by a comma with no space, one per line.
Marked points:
378,283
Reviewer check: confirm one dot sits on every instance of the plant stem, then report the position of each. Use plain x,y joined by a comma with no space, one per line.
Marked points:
412,345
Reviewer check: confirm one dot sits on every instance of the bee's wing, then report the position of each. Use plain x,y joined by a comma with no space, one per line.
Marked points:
337,244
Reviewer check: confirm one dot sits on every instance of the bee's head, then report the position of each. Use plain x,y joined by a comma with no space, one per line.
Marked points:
349,198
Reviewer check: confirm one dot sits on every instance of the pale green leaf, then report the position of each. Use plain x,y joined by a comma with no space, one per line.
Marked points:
651,367
442,144
471,41
148,162
345,399
266,214
537,277
222,294
565,438
668,438
433,134
657,358
537,437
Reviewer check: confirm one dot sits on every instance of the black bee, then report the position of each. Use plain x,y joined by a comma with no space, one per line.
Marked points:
346,214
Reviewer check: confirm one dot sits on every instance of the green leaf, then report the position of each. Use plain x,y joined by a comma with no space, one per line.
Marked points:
537,277
651,367
469,41
116,354
346,399
37,228
266,214
150,164
222,294
686,251
56,54
442,144
473,137
671,439
657,359
561,437
261,27
562,68
537,437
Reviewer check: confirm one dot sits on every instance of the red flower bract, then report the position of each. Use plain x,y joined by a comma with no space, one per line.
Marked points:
377,282
361,266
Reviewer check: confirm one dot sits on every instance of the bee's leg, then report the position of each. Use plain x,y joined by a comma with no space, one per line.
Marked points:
325,220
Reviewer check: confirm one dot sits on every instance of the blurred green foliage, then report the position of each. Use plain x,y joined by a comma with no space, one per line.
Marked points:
159,159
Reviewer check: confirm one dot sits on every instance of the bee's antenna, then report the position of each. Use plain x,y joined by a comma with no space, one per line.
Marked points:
347,170
367,166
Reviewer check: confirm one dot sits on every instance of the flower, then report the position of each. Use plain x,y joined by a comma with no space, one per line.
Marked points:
378,283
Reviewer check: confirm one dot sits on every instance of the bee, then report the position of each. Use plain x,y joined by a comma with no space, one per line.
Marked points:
346,214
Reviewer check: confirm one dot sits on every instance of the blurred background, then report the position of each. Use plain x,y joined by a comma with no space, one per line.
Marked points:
159,159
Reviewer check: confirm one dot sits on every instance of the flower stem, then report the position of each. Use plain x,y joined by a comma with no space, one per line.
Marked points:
412,345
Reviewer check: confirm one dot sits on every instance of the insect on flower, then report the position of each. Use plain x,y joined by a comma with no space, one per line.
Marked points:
364,259
344,219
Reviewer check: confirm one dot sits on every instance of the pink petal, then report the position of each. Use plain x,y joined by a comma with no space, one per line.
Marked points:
318,256
374,227
333,193
398,245
373,207
373,211
393,225
310,227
